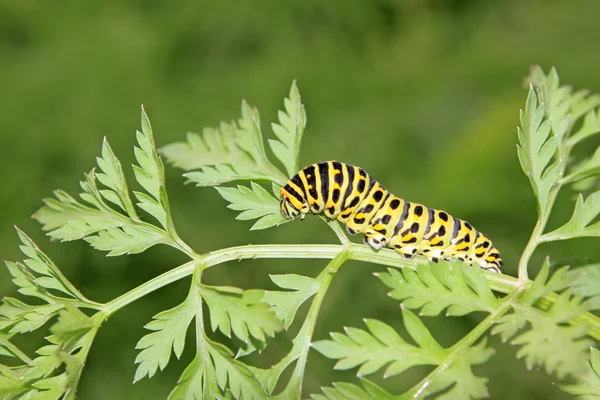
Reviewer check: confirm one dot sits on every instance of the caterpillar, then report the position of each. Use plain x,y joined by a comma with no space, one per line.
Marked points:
347,193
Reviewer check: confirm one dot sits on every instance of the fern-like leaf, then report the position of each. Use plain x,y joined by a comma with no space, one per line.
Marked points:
286,304
588,384
579,224
169,329
150,174
241,312
590,125
94,220
37,378
585,281
111,175
198,381
536,150
538,331
348,391
584,170
233,152
38,276
459,376
234,375
381,347
254,202
289,131
457,288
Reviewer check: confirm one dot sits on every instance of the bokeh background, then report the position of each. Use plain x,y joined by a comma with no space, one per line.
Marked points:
425,95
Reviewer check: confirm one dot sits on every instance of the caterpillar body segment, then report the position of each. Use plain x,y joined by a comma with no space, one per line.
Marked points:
347,193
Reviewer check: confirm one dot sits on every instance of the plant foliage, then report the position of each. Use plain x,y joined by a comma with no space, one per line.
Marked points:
548,317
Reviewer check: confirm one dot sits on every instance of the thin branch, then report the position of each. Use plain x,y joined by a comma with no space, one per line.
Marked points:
420,389
338,230
301,347
498,282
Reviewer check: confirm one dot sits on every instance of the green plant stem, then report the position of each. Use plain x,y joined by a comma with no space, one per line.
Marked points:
83,353
148,287
338,230
303,340
536,235
420,389
498,282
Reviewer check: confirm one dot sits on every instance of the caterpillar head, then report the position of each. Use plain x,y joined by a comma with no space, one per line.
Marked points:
291,207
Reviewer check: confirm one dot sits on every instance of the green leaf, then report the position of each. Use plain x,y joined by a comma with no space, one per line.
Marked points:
169,330
254,203
348,391
105,229
590,126
232,152
249,135
61,386
579,224
286,304
125,240
71,328
250,347
459,375
38,276
562,108
33,380
381,347
219,174
289,131
539,331
457,287
150,173
242,312
112,177
52,388
11,384
96,221
582,102
536,150
215,146
233,374
556,100
198,381
586,169
585,281
46,363
588,385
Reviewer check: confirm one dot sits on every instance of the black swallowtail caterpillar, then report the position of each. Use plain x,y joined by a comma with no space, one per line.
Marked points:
350,195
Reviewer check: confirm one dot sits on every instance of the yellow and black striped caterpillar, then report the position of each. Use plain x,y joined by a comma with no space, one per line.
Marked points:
350,195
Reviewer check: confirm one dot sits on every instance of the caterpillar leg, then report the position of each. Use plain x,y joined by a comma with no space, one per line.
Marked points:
375,240
397,244
406,252
350,231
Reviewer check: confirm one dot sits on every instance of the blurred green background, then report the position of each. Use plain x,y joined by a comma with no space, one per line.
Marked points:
425,95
